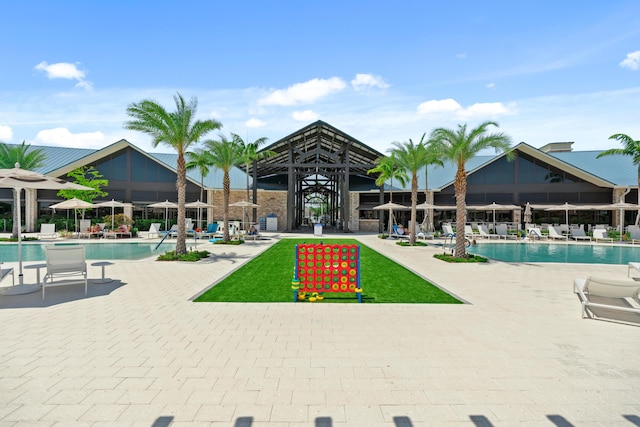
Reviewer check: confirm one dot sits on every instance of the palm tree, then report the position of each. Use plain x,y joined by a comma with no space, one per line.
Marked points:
432,159
201,160
250,154
631,148
176,129
225,154
387,168
412,157
28,160
459,146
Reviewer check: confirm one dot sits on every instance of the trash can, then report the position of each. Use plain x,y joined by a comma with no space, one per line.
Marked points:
317,229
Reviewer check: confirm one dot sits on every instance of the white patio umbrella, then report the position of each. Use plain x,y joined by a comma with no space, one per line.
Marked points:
198,204
528,215
428,217
621,206
244,205
19,179
390,206
495,207
166,205
74,204
113,204
566,206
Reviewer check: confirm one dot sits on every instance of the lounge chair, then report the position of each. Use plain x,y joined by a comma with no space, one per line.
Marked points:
600,235
447,230
399,233
501,231
424,235
5,271
606,297
154,231
483,232
62,262
536,233
468,232
634,235
212,229
252,235
579,234
48,231
553,234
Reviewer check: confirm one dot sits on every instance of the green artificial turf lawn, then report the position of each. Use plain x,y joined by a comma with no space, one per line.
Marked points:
267,278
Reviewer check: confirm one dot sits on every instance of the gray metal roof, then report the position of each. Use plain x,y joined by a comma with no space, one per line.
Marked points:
58,157
617,169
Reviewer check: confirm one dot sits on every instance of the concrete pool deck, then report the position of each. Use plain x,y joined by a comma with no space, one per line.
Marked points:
138,352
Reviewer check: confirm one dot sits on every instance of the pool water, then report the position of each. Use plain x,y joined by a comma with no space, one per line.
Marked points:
101,250
567,253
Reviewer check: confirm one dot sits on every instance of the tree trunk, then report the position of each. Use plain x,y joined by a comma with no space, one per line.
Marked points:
226,185
414,203
181,244
460,187
16,223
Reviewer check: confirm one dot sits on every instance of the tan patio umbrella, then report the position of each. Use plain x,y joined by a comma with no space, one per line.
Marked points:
390,206
528,215
19,179
428,214
566,206
166,205
74,204
495,207
620,206
244,205
113,204
199,205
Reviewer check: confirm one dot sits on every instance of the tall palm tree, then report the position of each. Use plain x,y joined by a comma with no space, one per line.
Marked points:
177,129
28,160
630,148
388,169
199,159
459,146
432,159
225,154
250,154
412,157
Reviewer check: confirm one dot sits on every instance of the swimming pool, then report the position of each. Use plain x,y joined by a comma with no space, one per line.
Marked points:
549,252
99,250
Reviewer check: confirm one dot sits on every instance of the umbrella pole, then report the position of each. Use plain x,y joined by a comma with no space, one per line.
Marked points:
20,276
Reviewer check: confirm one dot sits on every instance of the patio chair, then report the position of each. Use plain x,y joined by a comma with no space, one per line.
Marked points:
5,271
447,230
600,235
483,232
634,235
48,231
579,234
536,233
398,232
553,234
63,262
468,232
154,230
606,297
501,231
211,231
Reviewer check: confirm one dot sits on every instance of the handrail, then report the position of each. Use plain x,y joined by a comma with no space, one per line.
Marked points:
160,242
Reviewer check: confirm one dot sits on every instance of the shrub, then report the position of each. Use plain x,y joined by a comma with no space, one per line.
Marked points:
192,256
468,258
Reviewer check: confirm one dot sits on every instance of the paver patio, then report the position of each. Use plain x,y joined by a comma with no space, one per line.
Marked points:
138,352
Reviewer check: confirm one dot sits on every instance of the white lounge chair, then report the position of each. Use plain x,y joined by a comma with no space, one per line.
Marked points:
468,232
579,234
604,297
536,233
48,231
553,234
62,262
5,271
447,230
600,235
502,233
634,235
154,230
483,232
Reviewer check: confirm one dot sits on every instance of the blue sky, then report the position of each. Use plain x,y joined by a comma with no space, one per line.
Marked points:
382,72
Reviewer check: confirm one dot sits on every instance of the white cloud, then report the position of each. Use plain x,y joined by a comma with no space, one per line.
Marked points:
632,61
462,55
439,106
305,116
444,106
491,86
487,109
254,123
6,133
62,137
304,93
65,70
368,80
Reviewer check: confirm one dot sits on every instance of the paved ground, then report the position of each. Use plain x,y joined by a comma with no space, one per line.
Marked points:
138,352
